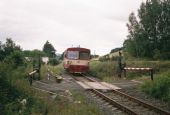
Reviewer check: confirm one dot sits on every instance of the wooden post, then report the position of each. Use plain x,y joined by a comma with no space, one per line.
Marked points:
119,65
30,79
39,67
124,72
151,72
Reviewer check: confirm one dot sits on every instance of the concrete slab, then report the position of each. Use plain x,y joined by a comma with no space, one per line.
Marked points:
97,85
110,85
83,85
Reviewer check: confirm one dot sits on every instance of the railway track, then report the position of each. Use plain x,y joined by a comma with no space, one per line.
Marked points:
122,101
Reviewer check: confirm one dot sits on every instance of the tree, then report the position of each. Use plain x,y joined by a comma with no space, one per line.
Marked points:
49,49
150,33
33,53
8,48
15,59
2,55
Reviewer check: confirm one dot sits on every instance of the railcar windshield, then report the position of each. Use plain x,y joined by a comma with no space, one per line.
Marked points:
84,55
72,54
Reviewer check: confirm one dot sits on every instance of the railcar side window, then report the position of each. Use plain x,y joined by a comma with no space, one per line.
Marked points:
73,55
84,55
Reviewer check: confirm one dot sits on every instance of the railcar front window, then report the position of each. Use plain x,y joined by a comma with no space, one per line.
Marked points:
84,55
73,55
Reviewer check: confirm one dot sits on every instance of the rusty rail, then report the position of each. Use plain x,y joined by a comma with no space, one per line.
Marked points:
109,100
159,110
142,103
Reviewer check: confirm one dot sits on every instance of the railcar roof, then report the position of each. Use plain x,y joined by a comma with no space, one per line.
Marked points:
78,49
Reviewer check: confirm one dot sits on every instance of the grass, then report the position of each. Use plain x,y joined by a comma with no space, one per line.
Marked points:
16,87
103,70
56,69
106,71
159,88
75,104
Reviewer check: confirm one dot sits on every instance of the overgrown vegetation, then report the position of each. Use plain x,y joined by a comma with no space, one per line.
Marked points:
107,70
159,88
74,104
103,70
18,97
14,87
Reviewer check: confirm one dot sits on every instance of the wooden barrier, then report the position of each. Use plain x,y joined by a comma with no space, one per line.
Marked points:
33,72
30,75
139,69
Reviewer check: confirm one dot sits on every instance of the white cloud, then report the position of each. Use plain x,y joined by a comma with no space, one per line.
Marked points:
96,24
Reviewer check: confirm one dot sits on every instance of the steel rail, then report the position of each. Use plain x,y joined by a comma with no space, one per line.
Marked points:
110,101
159,110
114,103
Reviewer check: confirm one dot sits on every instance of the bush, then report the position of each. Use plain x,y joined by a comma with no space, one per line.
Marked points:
159,88
53,62
14,88
15,59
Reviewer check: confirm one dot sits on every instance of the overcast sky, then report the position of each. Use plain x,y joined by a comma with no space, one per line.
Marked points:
99,25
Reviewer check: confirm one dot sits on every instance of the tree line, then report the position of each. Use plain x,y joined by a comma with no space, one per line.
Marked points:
13,54
149,31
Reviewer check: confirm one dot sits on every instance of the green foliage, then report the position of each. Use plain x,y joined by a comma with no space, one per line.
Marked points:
108,69
8,93
149,36
8,48
75,104
57,70
53,61
103,69
34,53
157,54
13,88
49,49
15,59
159,88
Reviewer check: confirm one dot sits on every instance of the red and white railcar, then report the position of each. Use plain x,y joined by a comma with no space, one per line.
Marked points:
76,60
